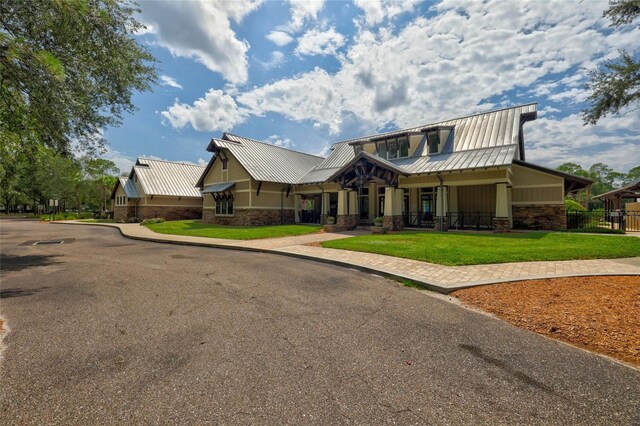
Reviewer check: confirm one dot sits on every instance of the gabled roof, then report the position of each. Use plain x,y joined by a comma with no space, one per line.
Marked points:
629,191
488,139
127,185
385,164
263,161
167,178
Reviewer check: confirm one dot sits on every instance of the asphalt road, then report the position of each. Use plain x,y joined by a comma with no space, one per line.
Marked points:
107,330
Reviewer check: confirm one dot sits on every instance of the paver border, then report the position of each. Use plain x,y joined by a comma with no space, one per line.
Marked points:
386,274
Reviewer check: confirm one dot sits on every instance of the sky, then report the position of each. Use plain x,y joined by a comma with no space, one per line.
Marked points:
307,74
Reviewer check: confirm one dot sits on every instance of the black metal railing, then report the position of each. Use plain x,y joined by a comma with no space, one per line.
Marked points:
471,220
601,221
419,219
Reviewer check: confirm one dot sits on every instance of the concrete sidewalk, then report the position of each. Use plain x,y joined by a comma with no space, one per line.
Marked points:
443,279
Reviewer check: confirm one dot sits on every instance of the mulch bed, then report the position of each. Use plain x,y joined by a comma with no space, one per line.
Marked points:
601,314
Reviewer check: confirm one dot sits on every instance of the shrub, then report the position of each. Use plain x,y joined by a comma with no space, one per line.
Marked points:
85,215
156,220
331,220
133,220
378,220
573,206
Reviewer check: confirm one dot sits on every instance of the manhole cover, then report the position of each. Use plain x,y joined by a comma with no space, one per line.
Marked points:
50,242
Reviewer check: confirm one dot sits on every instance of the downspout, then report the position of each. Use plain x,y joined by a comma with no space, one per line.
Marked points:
441,201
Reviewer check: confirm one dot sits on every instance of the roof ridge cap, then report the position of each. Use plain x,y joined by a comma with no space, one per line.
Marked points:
270,144
406,129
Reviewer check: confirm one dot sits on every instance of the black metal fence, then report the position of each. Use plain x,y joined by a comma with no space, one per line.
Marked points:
603,221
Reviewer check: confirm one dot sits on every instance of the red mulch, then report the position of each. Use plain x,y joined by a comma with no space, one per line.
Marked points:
601,314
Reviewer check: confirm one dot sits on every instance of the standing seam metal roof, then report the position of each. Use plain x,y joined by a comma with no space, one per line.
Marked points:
267,162
488,139
167,178
129,188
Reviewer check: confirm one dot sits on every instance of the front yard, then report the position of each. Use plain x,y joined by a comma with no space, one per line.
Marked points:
195,228
472,249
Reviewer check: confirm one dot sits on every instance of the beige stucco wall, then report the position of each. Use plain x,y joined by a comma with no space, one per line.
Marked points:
535,187
234,173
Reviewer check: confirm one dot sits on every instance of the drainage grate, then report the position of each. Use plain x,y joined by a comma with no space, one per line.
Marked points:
50,242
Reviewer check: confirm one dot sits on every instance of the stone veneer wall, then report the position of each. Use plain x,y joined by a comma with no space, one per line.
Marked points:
445,223
394,223
169,212
347,222
122,213
547,217
249,217
501,224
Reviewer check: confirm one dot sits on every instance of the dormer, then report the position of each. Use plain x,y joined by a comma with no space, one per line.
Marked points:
437,138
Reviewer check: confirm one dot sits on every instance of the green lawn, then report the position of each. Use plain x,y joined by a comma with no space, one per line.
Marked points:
473,249
197,229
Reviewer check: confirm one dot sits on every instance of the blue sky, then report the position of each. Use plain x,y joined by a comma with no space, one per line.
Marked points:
305,74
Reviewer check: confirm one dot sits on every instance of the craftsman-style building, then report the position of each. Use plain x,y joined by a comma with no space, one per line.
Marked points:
467,172
158,188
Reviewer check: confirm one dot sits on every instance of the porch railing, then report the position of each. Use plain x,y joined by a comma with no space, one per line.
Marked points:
471,220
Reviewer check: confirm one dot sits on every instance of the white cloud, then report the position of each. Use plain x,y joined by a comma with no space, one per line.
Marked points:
280,38
552,142
201,162
375,11
280,141
216,111
309,96
165,80
202,30
302,11
320,42
445,65
277,59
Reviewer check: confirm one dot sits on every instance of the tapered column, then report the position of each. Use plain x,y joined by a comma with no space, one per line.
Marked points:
393,199
441,222
502,221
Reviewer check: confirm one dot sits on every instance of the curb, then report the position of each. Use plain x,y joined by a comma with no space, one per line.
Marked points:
400,278
427,285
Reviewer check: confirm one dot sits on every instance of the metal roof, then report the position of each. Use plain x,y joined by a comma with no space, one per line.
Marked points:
488,139
461,160
167,178
267,162
129,188
481,130
218,187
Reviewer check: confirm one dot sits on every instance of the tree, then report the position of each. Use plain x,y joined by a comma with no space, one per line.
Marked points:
68,68
633,176
615,85
101,175
573,168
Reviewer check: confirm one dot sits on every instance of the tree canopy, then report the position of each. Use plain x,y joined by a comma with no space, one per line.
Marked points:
616,84
68,68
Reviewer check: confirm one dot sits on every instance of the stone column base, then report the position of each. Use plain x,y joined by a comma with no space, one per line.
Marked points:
501,224
445,224
393,223
346,222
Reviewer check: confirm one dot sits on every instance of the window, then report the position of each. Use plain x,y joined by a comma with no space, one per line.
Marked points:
121,200
135,178
225,163
382,149
224,206
437,138
403,147
393,148
433,140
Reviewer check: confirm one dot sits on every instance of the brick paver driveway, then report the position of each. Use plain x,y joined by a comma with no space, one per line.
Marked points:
106,330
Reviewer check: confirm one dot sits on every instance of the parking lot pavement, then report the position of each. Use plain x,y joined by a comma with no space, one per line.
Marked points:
108,330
